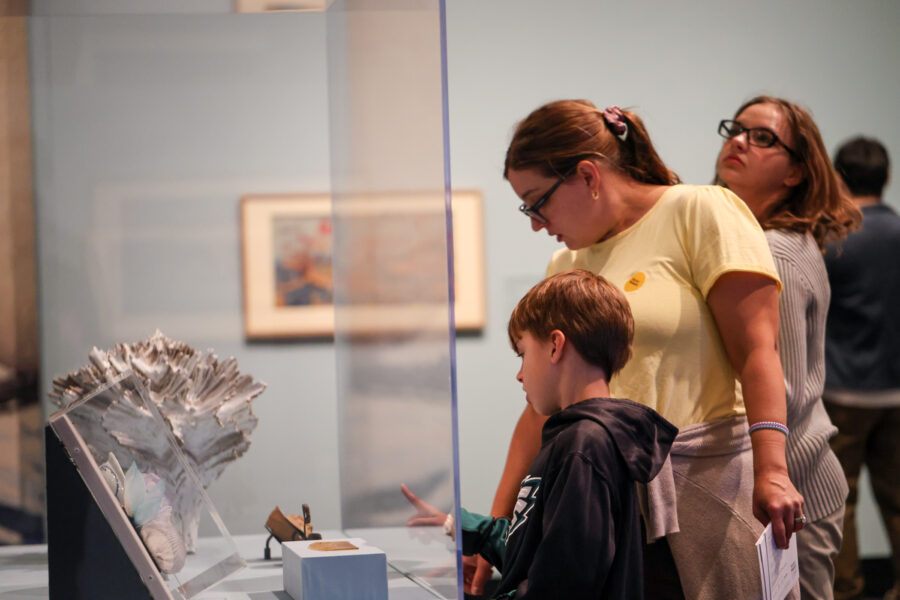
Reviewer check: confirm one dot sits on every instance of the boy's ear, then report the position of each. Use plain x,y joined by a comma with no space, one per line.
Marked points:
558,345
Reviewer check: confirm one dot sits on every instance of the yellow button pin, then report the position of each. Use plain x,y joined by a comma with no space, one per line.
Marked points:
636,281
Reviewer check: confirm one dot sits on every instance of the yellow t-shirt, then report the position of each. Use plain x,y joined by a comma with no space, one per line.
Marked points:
666,263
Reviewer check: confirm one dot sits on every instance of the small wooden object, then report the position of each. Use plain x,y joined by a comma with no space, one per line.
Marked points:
289,528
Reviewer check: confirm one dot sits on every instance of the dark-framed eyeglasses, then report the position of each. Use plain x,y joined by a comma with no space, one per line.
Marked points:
761,137
533,211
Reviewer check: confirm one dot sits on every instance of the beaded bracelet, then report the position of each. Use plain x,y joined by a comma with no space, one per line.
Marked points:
769,425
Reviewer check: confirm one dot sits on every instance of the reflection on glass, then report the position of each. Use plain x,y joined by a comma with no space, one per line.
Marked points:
394,334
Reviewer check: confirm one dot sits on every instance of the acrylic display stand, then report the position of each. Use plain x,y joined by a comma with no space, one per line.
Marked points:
94,549
86,558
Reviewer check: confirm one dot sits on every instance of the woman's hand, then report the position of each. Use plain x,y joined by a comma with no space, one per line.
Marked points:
426,514
776,500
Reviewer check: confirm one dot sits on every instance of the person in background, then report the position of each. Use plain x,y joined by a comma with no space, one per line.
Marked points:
774,158
862,352
697,272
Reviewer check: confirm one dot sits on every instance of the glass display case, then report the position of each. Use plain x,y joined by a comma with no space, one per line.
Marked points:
151,121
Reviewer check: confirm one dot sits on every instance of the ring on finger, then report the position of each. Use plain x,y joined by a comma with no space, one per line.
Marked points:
801,519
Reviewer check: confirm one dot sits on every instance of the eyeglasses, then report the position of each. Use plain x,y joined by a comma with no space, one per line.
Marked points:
533,211
761,137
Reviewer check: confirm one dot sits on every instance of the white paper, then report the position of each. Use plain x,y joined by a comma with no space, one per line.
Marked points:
778,568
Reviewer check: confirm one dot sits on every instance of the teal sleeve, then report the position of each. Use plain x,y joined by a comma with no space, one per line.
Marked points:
485,536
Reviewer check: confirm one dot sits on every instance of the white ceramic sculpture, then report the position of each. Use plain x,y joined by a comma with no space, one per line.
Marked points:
207,404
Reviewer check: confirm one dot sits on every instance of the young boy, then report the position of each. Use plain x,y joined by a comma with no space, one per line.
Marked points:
575,531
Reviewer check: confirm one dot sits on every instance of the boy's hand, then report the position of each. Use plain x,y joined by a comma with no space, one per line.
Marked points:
476,571
426,514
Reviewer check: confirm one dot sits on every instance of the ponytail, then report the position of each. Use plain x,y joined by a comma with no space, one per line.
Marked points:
639,158
557,136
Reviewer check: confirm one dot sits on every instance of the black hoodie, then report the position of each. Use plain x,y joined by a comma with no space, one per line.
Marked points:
575,532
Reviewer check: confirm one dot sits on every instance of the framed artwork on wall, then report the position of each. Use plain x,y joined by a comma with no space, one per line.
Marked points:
260,6
396,264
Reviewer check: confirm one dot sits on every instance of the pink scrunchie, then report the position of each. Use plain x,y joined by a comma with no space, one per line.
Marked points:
615,120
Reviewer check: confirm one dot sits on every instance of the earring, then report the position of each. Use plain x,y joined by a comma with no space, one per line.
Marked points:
595,195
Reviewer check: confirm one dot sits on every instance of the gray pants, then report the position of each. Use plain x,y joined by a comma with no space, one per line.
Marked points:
818,544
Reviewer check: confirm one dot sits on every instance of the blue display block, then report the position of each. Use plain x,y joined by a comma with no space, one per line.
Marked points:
338,569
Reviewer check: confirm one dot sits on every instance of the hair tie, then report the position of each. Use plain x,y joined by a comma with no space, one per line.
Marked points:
615,120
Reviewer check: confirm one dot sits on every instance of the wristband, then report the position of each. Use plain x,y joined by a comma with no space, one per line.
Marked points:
769,425
448,527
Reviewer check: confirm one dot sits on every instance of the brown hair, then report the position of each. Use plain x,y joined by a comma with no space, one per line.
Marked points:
592,313
818,204
555,137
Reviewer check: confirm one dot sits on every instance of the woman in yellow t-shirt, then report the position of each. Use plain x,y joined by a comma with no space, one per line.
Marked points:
694,265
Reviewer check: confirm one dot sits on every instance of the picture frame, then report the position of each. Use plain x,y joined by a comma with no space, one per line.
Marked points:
288,275
261,6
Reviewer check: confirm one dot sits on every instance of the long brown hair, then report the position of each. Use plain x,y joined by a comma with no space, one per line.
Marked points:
555,137
817,204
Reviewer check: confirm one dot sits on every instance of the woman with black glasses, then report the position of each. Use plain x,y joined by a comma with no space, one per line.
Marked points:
696,270
773,157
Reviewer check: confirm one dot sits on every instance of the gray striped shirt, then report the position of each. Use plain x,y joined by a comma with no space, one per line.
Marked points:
803,308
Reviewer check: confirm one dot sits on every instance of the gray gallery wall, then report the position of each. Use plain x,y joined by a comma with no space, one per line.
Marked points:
149,129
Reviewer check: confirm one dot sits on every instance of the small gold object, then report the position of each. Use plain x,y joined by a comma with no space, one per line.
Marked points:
332,546
287,528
